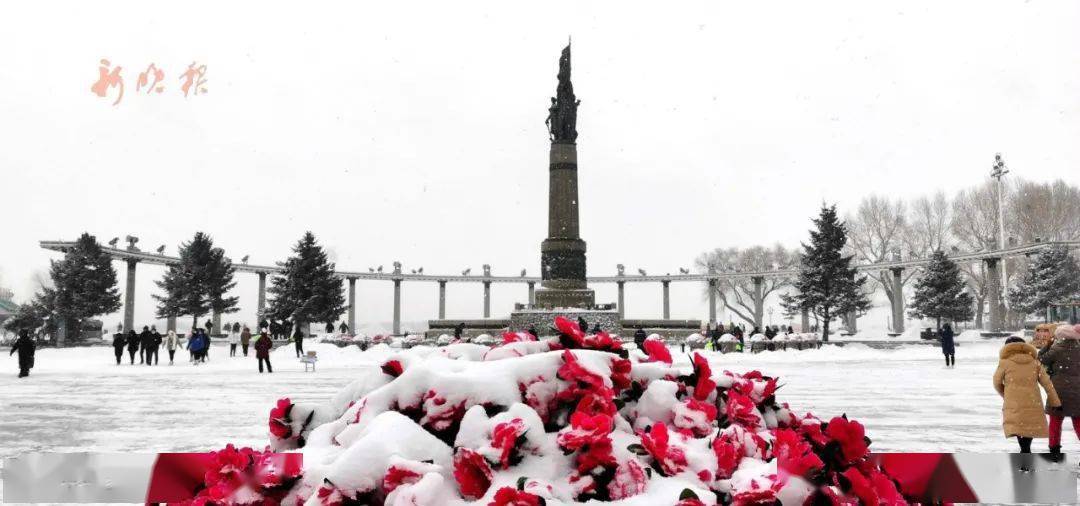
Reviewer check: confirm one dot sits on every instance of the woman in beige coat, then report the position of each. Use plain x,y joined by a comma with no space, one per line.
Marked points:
1017,380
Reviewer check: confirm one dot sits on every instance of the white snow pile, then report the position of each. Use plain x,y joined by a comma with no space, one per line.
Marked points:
567,420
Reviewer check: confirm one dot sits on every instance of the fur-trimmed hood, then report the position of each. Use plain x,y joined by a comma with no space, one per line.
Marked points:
1067,332
1019,352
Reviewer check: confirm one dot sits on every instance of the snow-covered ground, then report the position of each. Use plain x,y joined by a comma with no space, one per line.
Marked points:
77,399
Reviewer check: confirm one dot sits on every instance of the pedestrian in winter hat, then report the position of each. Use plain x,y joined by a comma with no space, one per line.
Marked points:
1017,379
1062,360
1044,336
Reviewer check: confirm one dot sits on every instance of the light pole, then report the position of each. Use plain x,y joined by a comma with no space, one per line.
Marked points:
998,172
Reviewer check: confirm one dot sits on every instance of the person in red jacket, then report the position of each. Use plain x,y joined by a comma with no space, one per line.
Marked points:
263,344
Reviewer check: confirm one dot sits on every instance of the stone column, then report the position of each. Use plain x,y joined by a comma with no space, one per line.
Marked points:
352,306
216,318
898,300
993,292
712,300
532,293
259,316
397,307
622,298
129,296
667,298
442,298
61,332
759,300
487,299
170,323
852,321
805,320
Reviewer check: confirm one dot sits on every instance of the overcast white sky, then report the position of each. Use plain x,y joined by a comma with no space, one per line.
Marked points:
414,131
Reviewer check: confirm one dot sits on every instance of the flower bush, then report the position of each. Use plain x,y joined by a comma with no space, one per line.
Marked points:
571,419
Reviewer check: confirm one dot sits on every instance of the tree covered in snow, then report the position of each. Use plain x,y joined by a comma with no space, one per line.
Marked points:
199,283
84,286
308,291
827,286
1052,276
30,315
940,292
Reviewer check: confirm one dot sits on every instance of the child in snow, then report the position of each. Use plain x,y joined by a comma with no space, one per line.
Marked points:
1017,381
1062,360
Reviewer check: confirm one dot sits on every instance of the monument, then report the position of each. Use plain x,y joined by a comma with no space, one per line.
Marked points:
562,254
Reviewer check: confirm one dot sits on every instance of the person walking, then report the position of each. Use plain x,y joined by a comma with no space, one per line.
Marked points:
195,345
150,346
26,348
263,344
118,346
948,345
245,339
144,344
1062,360
640,336
206,342
344,329
171,343
458,330
234,339
298,340
132,344
1017,379
329,328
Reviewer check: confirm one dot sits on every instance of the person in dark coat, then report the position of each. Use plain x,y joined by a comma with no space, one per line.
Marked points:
118,346
639,337
245,340
145,338
329,328
1063,362
150,347
948,345
132,344
26,347
298,340
458,330
263,344
344,329
532,330
596,329
582,324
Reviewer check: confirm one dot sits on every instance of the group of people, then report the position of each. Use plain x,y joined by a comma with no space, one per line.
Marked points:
1051,361
147,344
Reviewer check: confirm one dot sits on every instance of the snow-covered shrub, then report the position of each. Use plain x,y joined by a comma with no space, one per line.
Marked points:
569,420
484,339
444,339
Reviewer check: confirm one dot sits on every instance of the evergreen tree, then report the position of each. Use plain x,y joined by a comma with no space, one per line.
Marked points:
198,284
308,291
30,316
827,286
1052,276
84,286
940,293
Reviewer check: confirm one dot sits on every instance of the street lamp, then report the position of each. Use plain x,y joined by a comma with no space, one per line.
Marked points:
998,172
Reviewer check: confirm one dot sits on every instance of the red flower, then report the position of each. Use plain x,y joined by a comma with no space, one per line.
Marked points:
671,459
886,489
517,337
597,454
705,385
584,430
393,368
755,497
397,476
504,437
852,438
507,496
728,454
620,373
860,486
740,410
274,469
571,329
574,372
438,414
657,351
690,501
629,480
794,455
601,341
279,419
695,415
472,472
